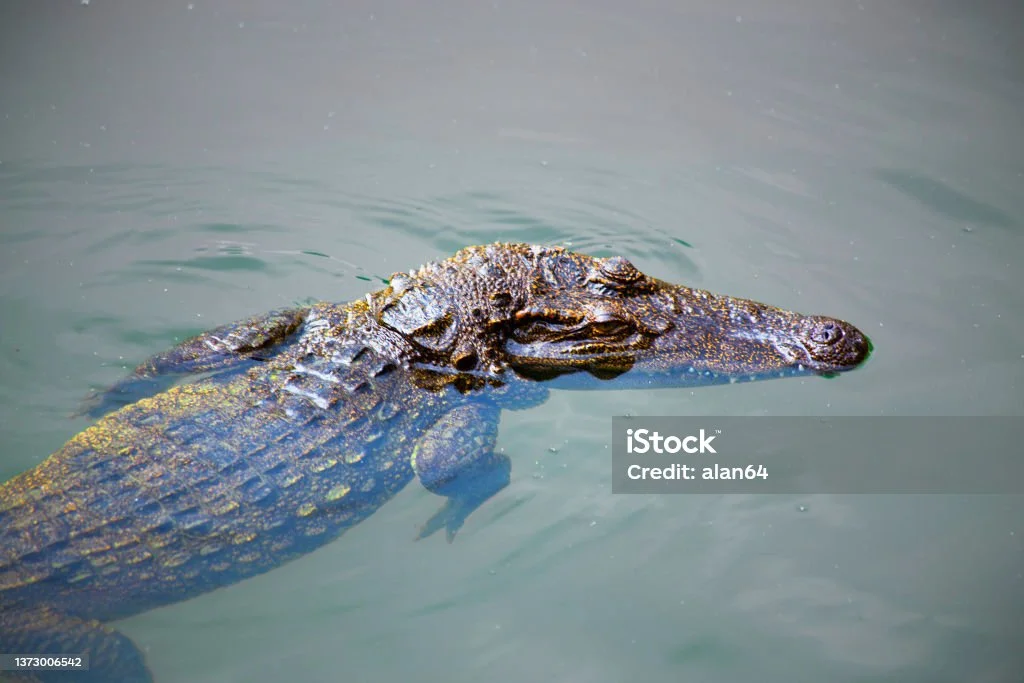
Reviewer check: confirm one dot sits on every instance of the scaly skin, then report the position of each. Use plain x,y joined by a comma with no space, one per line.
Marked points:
314,417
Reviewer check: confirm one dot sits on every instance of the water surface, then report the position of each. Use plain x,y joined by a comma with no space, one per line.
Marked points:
164,169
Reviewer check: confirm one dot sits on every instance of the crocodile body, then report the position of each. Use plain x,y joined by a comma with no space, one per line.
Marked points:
299,424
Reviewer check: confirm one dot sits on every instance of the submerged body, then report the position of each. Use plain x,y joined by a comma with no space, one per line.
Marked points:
306,421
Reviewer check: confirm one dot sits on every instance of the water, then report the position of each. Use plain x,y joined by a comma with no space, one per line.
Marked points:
166,169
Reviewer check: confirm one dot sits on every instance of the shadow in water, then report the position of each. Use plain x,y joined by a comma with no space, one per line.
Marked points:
943,199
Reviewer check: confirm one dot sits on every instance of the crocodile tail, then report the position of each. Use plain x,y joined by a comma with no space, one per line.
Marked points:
110,656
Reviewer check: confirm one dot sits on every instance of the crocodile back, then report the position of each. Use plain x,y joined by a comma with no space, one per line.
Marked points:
209,483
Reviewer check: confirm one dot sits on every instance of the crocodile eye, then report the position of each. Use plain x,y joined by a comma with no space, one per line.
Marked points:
617,274
620,269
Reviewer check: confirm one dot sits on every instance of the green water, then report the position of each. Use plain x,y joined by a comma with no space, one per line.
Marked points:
189,171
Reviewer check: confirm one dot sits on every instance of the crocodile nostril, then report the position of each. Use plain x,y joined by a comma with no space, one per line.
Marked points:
827,333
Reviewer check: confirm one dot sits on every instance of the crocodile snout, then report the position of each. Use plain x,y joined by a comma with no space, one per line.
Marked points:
833,345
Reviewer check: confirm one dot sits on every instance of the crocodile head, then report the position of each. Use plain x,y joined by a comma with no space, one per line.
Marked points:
547,313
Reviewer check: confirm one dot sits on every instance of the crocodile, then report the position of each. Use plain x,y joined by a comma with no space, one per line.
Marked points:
257,442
